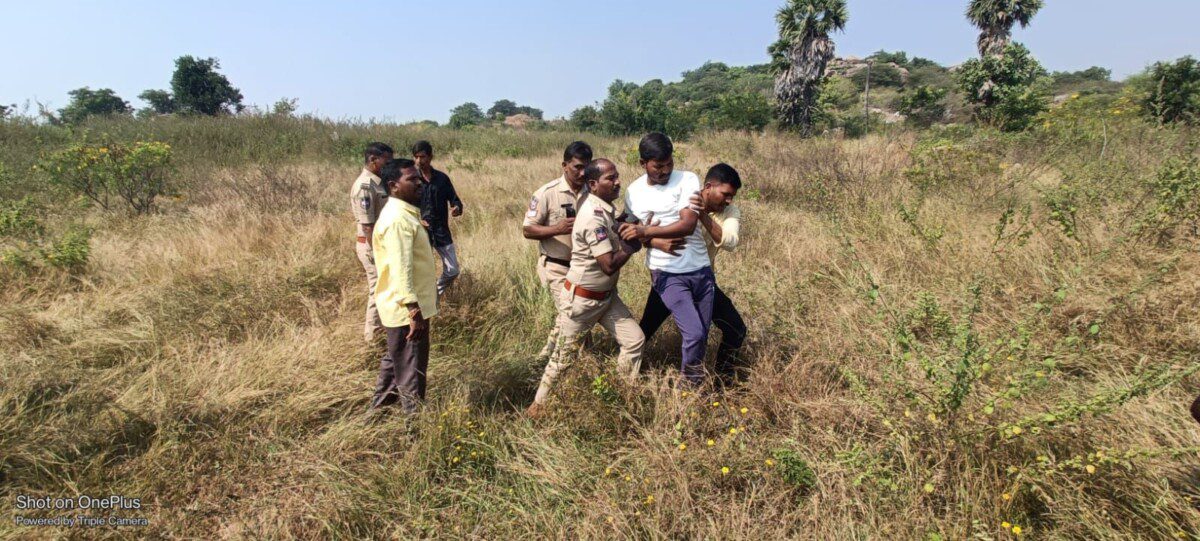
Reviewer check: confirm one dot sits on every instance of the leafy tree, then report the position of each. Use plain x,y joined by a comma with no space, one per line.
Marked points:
1008,91
882,75
586,118
633,109
923,105
161,102
467,114
86,102
995,20
1171,90
198,88
743,111
6,109
899,58
799,57
1092,80
505,108
284,107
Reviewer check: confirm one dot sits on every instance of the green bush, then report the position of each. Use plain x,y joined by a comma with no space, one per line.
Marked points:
1008,91
135,173
795,470
923,106
1175,190
71,250
1172,90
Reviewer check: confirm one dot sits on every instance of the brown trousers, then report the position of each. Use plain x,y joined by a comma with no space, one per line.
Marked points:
402,371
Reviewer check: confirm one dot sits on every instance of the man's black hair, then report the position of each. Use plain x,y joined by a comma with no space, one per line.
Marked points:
723,173
578,149
391,171
655,146
376,150
422,146
592,170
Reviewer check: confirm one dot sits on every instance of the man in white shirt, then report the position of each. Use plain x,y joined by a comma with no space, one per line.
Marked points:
684,281
720,221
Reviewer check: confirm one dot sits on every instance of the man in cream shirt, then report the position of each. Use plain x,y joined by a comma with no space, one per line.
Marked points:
720,222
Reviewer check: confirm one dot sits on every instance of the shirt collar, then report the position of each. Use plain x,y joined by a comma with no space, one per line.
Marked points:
405,205
565,186
604,205
373,176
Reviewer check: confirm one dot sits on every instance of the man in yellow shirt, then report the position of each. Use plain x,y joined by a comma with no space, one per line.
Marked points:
406,291
720,225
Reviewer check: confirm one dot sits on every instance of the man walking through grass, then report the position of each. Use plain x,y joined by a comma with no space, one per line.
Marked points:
406,294
684,281
720,222
439,195
367,196
590,287
549,220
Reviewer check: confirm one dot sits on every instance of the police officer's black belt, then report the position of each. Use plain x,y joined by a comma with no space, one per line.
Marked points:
559,262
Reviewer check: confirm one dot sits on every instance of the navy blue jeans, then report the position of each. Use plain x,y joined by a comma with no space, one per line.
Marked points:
725,318
689,296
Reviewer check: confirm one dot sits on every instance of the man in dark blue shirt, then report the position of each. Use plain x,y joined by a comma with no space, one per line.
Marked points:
437,197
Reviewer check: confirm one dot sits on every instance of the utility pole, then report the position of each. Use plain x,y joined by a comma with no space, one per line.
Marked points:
867,93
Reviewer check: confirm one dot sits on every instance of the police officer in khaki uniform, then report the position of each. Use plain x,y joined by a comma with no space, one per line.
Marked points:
589,293
367,196
549,221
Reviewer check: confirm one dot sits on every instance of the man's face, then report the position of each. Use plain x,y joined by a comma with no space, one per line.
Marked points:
408,187
423,159
374,163
658,171
573,170
717,196
608,186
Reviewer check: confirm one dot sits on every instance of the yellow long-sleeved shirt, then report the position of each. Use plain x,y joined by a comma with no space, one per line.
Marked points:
404,259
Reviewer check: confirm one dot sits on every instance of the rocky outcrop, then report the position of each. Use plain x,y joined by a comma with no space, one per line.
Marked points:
851,65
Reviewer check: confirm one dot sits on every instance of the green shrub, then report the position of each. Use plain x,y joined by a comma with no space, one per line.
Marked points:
1009,91
923,106
1172,90
795,470
1175,190
71,250
18,219
135,173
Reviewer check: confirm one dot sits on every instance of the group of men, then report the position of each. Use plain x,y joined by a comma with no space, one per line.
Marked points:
584,242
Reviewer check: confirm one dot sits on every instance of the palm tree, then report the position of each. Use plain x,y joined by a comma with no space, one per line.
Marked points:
801,54
995,19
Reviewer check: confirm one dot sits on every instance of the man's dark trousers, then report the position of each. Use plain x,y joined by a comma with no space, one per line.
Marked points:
725,317
402,370
689,297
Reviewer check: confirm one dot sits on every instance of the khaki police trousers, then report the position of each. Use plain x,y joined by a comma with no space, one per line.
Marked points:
578,318
372,325
552,276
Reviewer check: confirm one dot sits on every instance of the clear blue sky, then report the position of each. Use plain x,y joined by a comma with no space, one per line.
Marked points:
416,60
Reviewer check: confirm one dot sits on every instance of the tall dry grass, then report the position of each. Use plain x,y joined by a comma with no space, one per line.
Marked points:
209,361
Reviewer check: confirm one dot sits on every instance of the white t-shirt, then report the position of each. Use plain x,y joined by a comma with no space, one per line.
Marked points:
665,201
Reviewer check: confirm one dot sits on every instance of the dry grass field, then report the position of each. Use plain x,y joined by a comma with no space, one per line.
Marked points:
955,335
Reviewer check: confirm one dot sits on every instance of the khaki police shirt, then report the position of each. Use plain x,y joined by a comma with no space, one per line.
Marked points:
730,221
594,234
367,197
546,208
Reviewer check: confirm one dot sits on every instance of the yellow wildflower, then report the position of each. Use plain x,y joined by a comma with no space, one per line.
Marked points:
732,431
770,462
649,499
1091,468
683,447
711,443
607,471
1006,496
1016,430
724,470
1006,525
716,404
745,411
928,488
1016,530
